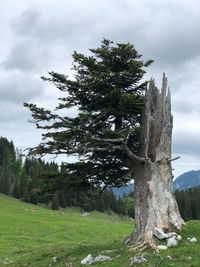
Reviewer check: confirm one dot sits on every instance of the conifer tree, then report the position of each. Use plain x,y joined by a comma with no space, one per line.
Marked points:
16,191
119,133
55,202
26,196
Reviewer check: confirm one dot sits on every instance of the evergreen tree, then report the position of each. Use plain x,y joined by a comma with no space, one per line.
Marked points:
55,202
24,180
62,200
115,142
26,196
34,196
108,91
7,161
16,191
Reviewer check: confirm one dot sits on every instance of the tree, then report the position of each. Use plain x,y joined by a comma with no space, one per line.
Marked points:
8,166
55,202
16,191
26,196
155,204
118,132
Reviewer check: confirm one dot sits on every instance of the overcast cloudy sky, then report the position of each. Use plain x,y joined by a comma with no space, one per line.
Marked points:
40,35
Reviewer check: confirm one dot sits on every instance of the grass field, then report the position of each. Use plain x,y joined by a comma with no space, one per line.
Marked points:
32,236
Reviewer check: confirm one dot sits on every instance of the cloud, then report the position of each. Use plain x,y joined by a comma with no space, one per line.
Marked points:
39,36
18,87
26,56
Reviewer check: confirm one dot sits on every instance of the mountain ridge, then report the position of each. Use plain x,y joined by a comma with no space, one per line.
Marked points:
187,180
184,181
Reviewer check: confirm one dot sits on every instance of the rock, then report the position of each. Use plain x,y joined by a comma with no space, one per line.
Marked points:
179,237
54,259
162,247
169,257
159,233
88,260
172,242
193,240
100,258
137,260
7,261
107,251
172,234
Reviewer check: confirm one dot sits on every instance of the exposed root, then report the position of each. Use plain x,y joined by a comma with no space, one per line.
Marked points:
129,240
143,245
140,243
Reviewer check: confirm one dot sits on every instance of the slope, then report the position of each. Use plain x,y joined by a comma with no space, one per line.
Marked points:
35,236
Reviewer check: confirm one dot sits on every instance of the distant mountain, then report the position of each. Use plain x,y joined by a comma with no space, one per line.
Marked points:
124,190
187,180
184,181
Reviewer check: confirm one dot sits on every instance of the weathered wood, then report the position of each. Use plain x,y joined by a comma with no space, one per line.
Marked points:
155,204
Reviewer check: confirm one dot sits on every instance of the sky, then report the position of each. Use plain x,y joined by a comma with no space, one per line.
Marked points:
38,36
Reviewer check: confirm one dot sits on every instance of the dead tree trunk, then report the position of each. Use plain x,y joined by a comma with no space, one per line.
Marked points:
155,204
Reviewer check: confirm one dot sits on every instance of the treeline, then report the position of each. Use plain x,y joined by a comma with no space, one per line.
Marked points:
189,203
35,181
22,178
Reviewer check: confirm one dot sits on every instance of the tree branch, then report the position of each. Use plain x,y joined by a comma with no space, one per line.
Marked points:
132,155
109,140
106,149
169,160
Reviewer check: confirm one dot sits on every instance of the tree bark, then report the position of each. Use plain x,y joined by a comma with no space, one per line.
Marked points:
155,204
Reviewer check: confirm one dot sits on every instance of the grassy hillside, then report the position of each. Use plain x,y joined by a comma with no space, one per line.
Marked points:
33,236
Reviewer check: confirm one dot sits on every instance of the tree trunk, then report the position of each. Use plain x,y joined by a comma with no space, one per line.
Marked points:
155,204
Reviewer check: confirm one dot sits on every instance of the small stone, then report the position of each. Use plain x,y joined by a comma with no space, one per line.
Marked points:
189,258
88,260
169,257
193,240
172,242
137,260
85,214
159,233
172,234
179,237
107,251
162,247
54,259
101,258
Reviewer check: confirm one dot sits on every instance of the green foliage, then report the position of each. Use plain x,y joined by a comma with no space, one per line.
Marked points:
16,190
129,206
55,202
108,91
26,196
7,164
38,182
189,203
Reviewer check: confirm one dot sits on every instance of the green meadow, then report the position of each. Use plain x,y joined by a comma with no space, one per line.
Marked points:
36,236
